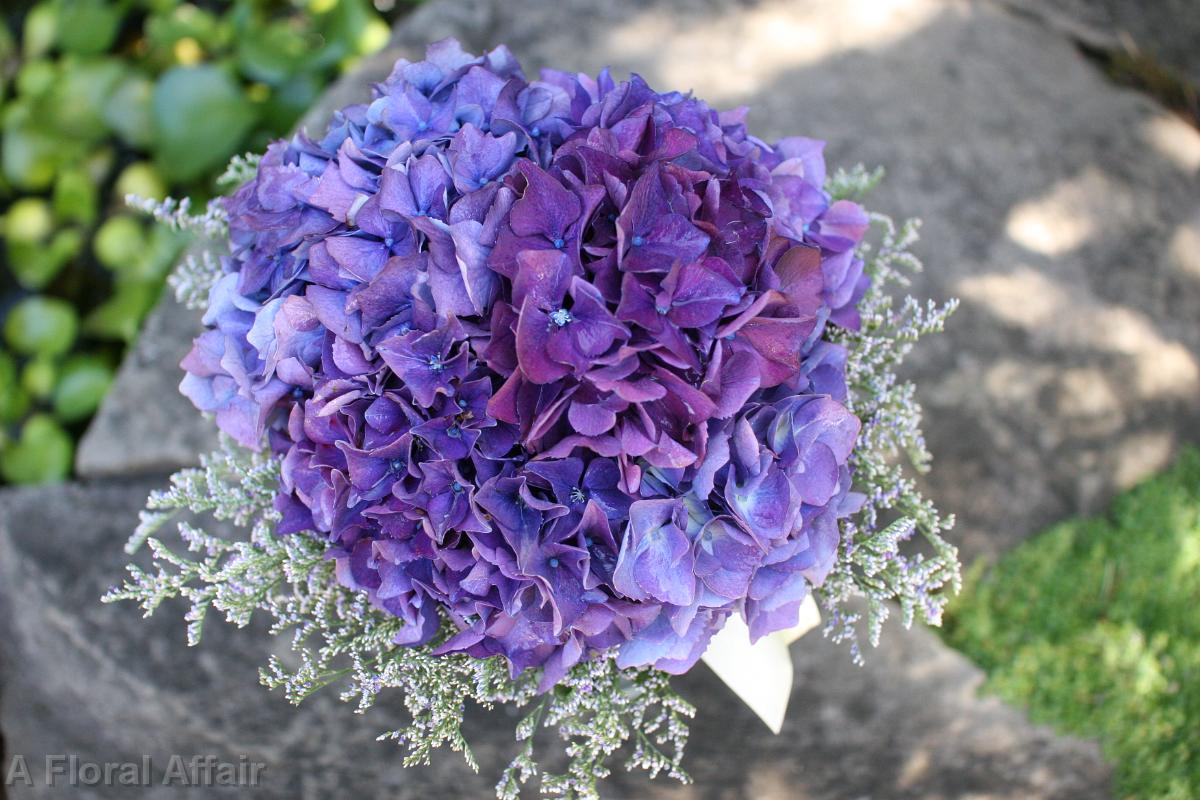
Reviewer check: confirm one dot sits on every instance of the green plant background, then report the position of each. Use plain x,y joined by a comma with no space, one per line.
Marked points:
102,98
1093,627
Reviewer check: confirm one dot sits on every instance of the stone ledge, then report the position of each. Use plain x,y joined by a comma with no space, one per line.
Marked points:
1165,30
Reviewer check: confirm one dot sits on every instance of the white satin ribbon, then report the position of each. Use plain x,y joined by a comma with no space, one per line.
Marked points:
760,673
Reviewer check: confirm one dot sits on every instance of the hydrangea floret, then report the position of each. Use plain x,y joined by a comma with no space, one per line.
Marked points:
530,385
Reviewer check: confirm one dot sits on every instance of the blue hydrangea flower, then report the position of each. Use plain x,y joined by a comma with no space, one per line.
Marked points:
545,360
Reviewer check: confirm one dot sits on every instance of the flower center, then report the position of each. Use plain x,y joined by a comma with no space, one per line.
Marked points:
577,495
638,241
456,487
553,562
558,243
535,132
395,465
435,363
560,317
454,431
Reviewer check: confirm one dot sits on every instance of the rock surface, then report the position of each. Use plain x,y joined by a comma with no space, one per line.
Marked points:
1165,30
145,426
103,683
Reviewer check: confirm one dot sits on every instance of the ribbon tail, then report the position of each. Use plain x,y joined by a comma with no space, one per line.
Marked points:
760,674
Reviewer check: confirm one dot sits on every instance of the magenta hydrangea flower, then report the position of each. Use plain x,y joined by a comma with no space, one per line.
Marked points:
545,360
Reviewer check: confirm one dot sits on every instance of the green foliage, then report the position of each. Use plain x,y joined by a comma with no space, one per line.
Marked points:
75,197
104,98
142,179
80,388
41,455
39,376
35,252
119,241
14,402
41,326
1093,627
28,220
201,115
87,27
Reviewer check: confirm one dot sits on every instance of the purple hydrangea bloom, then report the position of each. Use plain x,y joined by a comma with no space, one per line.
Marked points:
545,359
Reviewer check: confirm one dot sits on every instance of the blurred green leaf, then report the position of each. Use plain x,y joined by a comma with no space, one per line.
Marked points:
41,29
99,164
81,95
42,454
120,316
120,242
291,99
201,115
83,383
127,112
14,403
37,77
66,244
34,264
75,196
185,21
159,6
271,52
8,54
87,27
41,326
143,179
30,154
28,220
39,376
31,263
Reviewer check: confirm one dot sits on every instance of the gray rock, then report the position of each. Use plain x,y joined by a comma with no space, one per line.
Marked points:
1165,30
145,426
106,685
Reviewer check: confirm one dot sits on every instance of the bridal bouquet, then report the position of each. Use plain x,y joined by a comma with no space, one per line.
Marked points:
531,387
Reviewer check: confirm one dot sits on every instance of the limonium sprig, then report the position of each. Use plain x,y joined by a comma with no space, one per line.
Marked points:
527,387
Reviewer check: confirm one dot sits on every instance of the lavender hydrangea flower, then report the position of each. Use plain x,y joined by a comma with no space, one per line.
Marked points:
546,360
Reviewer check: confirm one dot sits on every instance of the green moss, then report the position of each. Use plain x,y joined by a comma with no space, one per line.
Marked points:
1093,626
